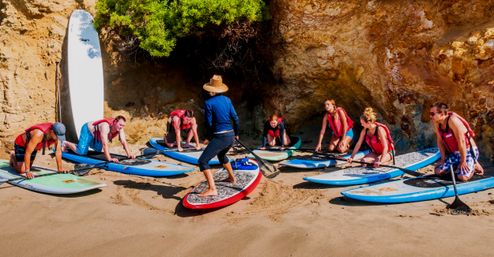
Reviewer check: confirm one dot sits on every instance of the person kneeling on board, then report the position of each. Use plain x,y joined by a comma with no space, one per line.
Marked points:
35,138
377,137
274,129
341,125
455,141
98,135
181,120
219,113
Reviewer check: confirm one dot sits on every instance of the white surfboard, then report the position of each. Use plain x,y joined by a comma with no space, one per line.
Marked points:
85,70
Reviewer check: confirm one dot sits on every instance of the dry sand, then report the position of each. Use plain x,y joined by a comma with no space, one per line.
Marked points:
137,216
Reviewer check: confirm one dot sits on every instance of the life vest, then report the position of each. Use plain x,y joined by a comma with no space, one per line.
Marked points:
97,132
374,143
181,115
275,132
337,125
44,127
448,137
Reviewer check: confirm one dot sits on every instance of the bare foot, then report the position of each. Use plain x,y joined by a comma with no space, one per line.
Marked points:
478,169
208,192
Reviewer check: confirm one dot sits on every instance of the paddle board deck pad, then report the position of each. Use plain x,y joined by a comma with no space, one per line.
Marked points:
418,189
188,156
247,180
274,154
318,161
56,184
142,167
363,175
85,70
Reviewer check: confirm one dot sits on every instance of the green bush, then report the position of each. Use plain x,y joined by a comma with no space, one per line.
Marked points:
156,24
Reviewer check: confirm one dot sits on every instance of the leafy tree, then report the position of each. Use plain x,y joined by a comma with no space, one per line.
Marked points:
155,25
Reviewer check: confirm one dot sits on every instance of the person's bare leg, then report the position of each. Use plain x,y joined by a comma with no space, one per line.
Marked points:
478,169
345,145
12,160
271,140
369,158
287,139
231,177
211,186
69,145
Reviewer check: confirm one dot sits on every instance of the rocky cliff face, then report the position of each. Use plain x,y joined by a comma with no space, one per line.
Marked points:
395,56
31,37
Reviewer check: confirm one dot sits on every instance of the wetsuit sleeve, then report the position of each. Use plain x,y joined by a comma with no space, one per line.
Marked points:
282,133
234,117
209,120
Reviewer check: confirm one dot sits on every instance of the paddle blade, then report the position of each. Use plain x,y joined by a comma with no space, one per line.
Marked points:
269,170
458,207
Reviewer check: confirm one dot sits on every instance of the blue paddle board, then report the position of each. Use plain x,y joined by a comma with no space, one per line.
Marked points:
417,189
187,156
363,175
142,167
319,161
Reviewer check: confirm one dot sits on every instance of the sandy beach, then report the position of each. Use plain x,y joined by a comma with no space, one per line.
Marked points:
284,216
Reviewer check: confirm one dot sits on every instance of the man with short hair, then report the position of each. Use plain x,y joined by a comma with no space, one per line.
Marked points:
98,135
455,141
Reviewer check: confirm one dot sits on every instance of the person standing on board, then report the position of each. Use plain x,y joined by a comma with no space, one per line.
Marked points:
178,121
98,134
377,137
219,114
274,129
32,140
341,125
455,141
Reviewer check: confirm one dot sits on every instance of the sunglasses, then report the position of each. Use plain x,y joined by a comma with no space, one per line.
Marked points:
431,114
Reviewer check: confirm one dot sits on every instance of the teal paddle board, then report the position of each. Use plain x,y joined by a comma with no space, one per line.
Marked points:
56,184
274,154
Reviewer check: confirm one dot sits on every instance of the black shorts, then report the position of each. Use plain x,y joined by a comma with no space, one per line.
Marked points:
170,133
20,152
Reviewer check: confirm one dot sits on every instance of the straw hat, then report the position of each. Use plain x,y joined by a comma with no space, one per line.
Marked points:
215,85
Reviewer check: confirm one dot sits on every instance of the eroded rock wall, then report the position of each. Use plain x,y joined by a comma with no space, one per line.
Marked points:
395,56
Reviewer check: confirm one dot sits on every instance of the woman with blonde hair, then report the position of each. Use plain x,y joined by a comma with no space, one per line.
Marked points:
377,136
340,124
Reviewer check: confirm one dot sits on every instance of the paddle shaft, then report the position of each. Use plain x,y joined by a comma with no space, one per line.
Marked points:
260,161
332,156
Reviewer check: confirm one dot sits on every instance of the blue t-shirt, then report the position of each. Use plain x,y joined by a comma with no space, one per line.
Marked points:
219,113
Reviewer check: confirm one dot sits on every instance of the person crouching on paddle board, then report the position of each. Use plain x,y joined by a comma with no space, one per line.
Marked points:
33,139
274,129
98,134
378,138
181,120
455,141
340,124
219,113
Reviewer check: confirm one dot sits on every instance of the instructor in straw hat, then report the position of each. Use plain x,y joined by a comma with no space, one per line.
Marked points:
219,113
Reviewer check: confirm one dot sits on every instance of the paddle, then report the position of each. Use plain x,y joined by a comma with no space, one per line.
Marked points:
458,206
336,157
270,167
104,163
185,150
74,172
